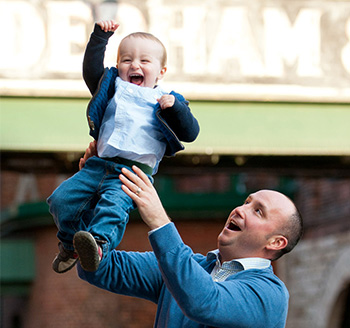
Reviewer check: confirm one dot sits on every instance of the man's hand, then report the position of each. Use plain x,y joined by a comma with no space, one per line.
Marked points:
166,101
108,25
89,152
140,189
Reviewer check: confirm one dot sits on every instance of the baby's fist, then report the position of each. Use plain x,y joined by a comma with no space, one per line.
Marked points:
166,101
108,25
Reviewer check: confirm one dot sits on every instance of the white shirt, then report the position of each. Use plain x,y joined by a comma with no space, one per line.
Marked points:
129,128
222,271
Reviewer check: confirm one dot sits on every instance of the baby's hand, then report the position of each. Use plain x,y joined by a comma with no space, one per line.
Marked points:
166,101
108,26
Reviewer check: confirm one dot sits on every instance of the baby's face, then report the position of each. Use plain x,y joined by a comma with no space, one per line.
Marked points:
139,61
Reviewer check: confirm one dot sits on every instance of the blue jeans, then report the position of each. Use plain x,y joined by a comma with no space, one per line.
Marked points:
92,200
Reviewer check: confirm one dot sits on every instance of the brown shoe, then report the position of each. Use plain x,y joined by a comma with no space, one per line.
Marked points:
64,260
89,251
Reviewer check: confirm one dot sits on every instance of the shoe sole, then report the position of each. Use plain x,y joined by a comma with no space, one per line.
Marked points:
86,247
56,263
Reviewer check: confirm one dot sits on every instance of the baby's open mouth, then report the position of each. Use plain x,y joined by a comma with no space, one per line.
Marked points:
136,79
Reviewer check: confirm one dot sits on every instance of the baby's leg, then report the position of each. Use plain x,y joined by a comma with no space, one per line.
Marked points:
108,224
111,213
72,203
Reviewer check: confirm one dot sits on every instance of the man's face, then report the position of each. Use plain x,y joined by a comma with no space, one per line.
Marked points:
139,61
250,226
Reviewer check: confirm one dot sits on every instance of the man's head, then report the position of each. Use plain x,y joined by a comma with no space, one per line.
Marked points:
141,59
267,225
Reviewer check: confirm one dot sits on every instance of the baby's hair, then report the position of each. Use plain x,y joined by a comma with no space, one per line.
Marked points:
148,36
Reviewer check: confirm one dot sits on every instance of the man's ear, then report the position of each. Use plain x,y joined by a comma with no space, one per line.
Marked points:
277,242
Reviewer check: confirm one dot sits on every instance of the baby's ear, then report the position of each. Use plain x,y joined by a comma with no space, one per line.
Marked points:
162,73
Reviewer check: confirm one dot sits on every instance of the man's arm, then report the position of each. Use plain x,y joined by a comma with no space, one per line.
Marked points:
127,273
142,192
89,152
93,66
252,298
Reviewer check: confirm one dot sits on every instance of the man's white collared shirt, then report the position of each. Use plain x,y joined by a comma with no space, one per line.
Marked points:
222,271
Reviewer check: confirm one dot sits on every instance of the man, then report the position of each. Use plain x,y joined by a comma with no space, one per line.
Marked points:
231,287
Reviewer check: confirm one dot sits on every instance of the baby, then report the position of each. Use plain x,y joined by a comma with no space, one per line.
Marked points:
135,122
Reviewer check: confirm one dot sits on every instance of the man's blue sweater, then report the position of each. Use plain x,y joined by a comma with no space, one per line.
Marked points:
179,282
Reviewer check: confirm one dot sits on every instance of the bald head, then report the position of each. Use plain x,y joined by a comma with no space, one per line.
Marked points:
291,223
276,201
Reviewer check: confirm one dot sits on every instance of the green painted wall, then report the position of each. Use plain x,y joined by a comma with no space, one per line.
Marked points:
50,124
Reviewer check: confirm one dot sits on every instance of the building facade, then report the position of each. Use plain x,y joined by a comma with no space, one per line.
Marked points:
268,82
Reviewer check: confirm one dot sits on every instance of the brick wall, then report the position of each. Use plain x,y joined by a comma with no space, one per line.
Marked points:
314,272
66,301
317,270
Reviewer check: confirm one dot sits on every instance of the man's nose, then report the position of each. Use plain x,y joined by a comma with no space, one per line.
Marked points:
240,211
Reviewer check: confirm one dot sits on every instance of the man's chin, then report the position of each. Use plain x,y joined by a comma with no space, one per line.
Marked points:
224,239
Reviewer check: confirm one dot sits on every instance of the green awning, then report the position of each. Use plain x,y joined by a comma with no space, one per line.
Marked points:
50,125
